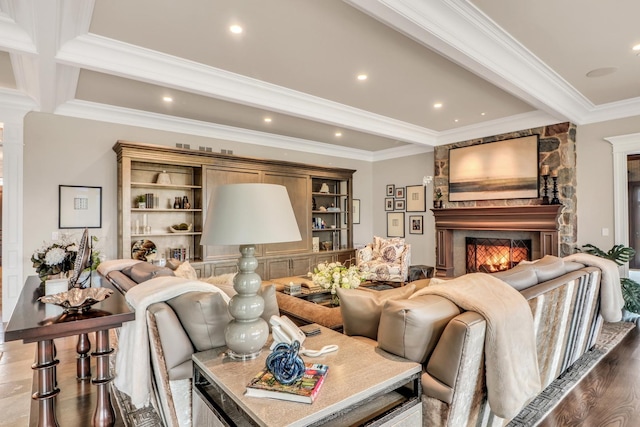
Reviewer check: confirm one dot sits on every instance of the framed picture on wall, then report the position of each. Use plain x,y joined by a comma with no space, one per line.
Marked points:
416,224
391,190
79,206
355,211
399,193
395,224
388,204
399,205
416,198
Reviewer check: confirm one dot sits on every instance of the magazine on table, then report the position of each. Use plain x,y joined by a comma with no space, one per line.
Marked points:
304,390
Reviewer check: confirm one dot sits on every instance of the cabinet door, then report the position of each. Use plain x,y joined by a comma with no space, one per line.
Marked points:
277,268
298,189
300,266
214,178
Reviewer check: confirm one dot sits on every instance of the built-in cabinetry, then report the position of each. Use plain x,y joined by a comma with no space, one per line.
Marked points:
169,176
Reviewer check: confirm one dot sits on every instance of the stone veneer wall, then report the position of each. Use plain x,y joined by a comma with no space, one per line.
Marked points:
557,149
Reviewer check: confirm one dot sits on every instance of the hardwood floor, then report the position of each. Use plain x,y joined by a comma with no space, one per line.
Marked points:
608,396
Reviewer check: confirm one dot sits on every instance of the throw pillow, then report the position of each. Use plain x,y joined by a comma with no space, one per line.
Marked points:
365,254
549,267
411,328
520,277
224,282
361,310
143,271
392,252
186,271
204,316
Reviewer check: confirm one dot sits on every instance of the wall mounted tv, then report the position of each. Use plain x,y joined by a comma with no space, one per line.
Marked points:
496,170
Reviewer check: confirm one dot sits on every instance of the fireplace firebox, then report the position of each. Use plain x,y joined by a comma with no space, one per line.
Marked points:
489,255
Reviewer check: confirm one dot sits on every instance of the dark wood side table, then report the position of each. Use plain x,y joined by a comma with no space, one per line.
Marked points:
33,321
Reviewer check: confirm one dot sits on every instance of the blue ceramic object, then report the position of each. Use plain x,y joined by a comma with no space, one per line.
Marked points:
285,364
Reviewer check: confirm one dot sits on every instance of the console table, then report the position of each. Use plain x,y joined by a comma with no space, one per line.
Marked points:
363,385
33,321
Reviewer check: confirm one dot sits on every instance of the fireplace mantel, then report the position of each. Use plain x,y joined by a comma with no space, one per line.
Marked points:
537,218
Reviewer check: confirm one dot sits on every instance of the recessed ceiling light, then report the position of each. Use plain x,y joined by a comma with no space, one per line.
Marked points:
167,99
362,77
338,134
437,105
601,72
236,29
456,120
267,119
636,47
483,114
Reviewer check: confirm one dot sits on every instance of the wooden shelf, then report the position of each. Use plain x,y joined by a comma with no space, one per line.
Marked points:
165,210
169,186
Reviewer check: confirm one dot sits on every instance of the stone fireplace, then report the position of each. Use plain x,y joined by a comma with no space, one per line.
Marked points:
536,223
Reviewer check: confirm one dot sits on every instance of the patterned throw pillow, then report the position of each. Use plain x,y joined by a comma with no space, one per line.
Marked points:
392,253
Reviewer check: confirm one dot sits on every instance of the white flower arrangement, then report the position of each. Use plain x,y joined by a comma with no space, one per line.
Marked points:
335,275
55,258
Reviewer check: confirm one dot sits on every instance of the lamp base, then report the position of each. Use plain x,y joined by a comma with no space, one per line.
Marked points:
241,357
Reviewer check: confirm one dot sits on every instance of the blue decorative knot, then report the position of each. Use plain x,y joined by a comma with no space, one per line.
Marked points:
285,364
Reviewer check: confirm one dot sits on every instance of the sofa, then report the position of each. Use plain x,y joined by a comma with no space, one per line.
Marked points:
564,299
176,326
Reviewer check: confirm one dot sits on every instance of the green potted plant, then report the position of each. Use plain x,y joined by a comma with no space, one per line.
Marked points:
141,201
437,202
620,254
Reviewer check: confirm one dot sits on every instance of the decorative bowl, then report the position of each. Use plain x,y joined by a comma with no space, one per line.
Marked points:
175,230
77,300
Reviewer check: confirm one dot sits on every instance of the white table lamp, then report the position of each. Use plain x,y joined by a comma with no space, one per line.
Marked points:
246,215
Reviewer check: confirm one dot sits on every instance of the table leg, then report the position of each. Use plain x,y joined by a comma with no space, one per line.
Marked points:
47,391
104,415
83,363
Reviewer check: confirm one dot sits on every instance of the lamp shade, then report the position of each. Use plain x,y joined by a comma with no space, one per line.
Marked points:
242,214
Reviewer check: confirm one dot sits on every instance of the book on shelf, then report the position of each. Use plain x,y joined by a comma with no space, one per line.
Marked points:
304,390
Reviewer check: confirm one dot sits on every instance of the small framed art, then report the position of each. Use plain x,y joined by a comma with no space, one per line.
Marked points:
388,204
79,206
399,193
416,198
399,205
356,211
395,224
416,224
391,190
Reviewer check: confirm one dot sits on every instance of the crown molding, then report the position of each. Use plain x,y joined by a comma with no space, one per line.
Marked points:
462,33
107,55
403,151
614,110
13,37
137,118
513,123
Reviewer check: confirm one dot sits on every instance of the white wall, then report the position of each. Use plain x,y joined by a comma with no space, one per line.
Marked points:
69,151
402,172
595,180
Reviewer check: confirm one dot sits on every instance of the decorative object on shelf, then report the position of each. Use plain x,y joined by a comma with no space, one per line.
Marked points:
55,259
177,203
554,177
437,203
79,206
181,228
335,275
143,250
544,172
315,244
285,363
237,216
324,188
185,203
163,178
77,300
141,201
326,245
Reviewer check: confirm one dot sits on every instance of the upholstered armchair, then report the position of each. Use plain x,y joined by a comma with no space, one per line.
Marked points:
385,260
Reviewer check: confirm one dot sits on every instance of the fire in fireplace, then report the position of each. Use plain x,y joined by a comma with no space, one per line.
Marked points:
488,255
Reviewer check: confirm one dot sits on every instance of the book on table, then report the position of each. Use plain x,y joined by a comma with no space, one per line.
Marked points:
304,390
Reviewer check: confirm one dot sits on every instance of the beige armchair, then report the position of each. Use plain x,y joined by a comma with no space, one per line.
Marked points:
385,260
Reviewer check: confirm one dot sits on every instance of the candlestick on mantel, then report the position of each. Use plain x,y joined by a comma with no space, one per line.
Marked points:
545,170
554,174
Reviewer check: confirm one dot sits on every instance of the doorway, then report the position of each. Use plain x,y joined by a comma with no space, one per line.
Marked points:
633,185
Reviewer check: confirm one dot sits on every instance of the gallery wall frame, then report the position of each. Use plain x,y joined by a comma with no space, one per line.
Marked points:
395,224
416,198
505,169
398,205
399,193
391,190
416,224
79,206
388,204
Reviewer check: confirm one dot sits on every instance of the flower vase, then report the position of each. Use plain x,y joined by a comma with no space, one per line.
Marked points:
56,286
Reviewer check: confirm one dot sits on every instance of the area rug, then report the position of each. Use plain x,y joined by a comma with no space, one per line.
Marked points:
534,412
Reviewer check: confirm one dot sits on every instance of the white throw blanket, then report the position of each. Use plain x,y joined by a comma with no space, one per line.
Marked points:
611,301
133,364
511,363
